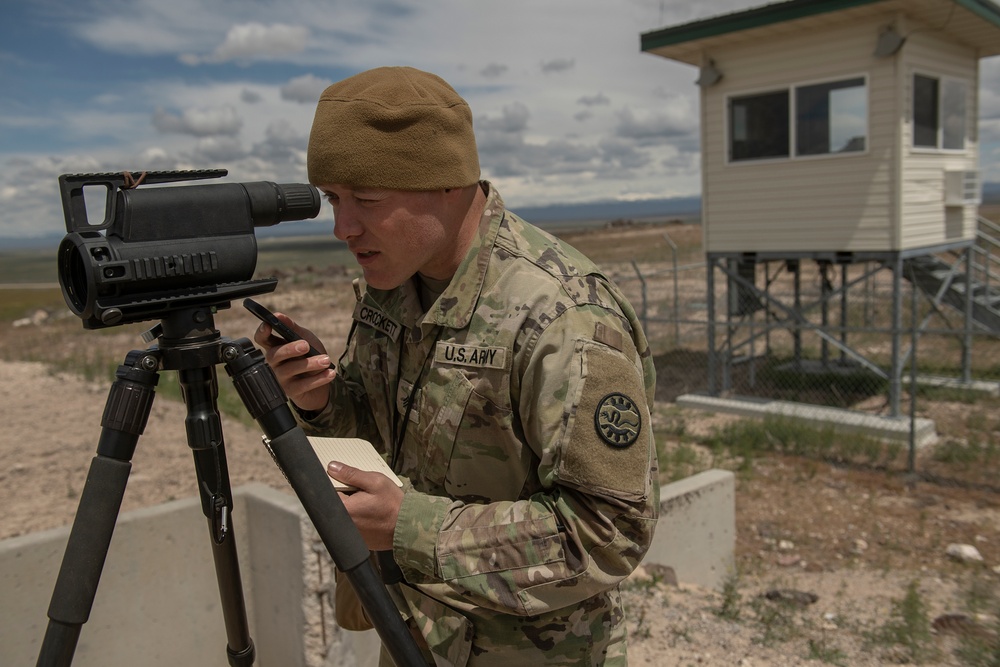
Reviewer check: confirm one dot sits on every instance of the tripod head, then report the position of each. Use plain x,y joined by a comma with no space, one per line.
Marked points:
158,249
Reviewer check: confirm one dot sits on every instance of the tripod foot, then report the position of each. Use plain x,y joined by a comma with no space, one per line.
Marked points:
242,658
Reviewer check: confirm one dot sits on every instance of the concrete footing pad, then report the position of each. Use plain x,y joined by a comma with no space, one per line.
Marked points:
895,429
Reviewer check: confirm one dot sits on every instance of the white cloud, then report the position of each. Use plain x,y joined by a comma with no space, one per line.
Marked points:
574,113
220,149
513,118
600,99
304,89
283,142
130,33
659,126
250,96
254,41
204,122
493,70
557,65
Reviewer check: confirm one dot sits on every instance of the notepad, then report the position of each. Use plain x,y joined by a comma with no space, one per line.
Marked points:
355,452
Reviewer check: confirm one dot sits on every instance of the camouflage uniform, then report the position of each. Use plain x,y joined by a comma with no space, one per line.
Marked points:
522,399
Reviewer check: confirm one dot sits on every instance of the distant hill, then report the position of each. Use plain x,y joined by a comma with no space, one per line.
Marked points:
545,216
611,210
991,193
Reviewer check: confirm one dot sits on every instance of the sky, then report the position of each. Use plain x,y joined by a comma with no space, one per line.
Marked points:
566,107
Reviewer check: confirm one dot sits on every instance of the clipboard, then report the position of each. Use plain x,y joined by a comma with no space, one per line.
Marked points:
355,452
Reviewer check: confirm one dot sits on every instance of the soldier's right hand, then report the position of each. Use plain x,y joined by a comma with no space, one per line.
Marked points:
305,379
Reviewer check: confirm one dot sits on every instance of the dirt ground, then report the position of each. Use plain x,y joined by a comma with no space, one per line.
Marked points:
825,554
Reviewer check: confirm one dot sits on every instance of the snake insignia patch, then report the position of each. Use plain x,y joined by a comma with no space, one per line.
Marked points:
618,420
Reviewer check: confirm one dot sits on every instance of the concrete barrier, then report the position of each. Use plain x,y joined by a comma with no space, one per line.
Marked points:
696,533
158,600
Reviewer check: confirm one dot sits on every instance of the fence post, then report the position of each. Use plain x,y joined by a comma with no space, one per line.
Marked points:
914,335
642,282
895,378
967,337
677,311
710,279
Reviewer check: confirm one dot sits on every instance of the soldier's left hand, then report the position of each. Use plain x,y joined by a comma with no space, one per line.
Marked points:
374,506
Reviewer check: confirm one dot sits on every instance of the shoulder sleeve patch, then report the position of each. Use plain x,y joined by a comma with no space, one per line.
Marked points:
607,440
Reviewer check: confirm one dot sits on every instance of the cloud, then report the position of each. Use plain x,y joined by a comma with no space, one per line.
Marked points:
250,96
218,149
558,65
283,142
618,153
223,120
254,41
493,70
655,126
304,89
513,118
156,158
133,34
599,99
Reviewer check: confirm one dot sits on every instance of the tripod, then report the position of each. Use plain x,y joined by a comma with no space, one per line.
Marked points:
189,343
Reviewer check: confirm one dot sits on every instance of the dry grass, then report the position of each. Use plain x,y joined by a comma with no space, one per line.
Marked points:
842,517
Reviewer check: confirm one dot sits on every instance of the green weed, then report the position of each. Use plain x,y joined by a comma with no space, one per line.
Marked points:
908,628
730,607
820,649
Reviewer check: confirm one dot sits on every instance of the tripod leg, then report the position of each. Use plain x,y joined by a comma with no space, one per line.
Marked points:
267,404
204,432
126,411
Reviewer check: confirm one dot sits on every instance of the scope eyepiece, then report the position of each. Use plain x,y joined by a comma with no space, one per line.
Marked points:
271,203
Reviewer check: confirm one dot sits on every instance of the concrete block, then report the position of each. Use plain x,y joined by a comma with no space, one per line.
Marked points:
696,532
158,601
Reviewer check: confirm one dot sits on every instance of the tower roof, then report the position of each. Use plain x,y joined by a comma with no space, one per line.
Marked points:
974,22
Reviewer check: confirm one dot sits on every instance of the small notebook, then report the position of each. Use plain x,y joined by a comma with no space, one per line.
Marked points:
355,452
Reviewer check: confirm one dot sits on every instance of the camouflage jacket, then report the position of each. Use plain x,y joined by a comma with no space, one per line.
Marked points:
517,407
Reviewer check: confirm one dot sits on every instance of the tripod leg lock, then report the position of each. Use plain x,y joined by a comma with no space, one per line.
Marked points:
129,402
253,378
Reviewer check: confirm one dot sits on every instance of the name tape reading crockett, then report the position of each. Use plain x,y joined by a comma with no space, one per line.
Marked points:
471,355
376,319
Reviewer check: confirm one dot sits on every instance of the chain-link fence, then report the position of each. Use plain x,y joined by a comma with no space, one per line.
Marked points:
845,341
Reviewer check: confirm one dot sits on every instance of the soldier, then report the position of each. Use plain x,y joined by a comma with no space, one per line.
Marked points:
502,375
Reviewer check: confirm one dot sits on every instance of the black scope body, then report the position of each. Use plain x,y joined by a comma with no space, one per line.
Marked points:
160,247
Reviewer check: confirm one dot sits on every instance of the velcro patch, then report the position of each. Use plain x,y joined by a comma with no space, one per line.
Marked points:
606,447
610,337
375,318
470,355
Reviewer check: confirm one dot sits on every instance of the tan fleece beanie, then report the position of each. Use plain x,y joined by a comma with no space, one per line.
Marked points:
393,127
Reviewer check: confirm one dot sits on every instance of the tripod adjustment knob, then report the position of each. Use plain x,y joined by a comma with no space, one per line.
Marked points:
152,334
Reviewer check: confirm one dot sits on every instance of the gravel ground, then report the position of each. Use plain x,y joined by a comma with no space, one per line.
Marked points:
839,594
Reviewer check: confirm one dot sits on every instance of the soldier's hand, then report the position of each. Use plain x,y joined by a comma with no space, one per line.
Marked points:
303,378
375,505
